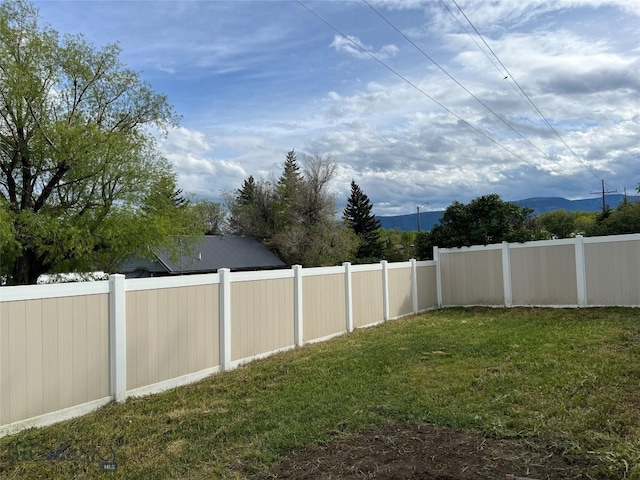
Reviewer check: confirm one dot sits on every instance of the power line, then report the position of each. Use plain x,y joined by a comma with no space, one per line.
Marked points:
502,73
530,101
425,54
413,85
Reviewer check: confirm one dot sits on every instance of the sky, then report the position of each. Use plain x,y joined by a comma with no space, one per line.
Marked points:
422,103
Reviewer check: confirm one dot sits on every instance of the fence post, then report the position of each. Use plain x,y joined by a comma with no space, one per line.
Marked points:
225,318
298,332
117,337
348,294
506,275
436,258
414,286
385,290
581,274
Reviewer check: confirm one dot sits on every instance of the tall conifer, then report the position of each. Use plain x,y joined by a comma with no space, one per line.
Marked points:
362,221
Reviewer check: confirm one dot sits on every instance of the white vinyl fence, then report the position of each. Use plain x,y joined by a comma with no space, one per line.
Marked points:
68,349
576,272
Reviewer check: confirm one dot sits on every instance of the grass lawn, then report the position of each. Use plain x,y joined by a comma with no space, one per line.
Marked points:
571,376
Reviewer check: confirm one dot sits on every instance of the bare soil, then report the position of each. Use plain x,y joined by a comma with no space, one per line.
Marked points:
403,451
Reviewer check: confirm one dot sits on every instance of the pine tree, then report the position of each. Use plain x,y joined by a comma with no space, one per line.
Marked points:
288,191
291,178
359,218
243,208
246,193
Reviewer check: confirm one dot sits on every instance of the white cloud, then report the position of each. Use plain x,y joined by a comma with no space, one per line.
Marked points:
182,139
352,45
252,83
509,14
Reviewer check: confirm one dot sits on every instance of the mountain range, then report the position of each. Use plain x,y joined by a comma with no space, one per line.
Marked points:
540,205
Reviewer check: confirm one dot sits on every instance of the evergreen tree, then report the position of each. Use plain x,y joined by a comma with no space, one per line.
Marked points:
247,192
288,192
359,218
291,179
243,209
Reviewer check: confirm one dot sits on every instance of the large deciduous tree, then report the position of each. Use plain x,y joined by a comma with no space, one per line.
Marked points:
359,217
81,180
398,246
211,216
485,220
313,235
563,224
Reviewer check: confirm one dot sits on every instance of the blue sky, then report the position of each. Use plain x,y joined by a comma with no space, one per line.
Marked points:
254,79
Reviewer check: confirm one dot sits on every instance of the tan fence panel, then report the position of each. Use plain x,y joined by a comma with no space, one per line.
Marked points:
613,273
367,300
323,305
472,277
400,292
171,332
427,286
544,275
53,354
262,317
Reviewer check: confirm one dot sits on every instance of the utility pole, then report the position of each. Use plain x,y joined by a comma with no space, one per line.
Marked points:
418,213
603,193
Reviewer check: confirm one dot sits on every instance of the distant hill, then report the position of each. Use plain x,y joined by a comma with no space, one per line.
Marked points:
409,222
539,204
594,204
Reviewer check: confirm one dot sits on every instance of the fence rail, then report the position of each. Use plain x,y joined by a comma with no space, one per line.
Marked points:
577,272
68,349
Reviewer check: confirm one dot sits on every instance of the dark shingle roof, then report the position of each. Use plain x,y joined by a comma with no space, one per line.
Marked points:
215,252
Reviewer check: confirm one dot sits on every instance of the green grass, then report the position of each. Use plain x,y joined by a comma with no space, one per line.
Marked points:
572,376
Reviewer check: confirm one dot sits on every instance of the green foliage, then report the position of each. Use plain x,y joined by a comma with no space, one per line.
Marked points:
9,247
247,193
321,244
253,209
287,194
398,246
211,215
623,220
584,222
424,248
359,217
563,224
80,174
485,220
290,183
294,217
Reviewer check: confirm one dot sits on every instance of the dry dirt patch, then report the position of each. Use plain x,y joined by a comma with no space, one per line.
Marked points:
402,451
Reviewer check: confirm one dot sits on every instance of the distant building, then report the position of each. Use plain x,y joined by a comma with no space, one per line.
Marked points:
212,253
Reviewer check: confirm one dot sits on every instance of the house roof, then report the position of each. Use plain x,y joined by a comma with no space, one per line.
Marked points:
212,253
